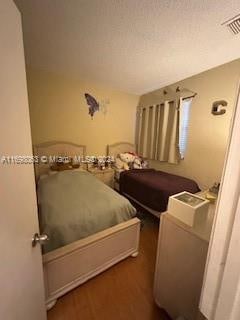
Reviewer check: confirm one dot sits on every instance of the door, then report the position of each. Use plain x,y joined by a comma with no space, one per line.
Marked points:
21,276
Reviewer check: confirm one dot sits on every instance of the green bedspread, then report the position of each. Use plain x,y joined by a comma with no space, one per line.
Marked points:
75,204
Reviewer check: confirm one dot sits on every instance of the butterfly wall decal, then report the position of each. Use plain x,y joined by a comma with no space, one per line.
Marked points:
93,105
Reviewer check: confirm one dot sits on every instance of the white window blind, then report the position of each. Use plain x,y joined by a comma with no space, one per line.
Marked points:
184,125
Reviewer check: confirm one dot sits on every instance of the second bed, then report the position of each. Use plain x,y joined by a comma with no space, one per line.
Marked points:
149,188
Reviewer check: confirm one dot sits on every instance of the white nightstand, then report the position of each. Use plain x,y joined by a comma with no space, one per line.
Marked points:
106,175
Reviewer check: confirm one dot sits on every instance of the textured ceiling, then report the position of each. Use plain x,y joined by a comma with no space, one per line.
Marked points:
133,45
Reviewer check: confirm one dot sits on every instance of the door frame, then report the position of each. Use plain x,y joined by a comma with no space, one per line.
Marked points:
219,291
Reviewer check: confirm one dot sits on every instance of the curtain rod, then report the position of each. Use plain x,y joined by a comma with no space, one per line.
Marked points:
179,90
192,96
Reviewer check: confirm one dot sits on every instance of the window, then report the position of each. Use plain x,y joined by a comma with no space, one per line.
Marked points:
162,130
184,125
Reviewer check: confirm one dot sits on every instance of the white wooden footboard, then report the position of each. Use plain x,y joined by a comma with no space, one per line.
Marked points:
67,267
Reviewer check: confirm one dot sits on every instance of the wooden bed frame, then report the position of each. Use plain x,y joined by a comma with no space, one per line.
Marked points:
69,266
121,147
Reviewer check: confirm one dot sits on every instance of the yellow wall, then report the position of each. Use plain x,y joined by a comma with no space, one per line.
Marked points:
58,111
208,134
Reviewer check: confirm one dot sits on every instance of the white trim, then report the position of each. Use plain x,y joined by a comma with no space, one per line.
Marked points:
223,224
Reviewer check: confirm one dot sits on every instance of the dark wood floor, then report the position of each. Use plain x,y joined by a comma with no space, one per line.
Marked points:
122,292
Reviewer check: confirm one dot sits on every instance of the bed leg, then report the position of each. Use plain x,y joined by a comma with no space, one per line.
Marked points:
51,304
134,255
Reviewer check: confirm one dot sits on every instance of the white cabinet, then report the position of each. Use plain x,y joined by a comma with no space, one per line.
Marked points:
181,258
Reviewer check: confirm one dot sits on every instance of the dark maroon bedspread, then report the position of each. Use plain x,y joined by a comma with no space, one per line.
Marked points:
153,188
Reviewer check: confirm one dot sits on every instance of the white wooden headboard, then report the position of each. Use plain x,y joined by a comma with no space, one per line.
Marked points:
56,148
120,147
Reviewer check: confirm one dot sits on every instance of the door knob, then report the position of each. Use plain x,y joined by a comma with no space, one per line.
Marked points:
41,239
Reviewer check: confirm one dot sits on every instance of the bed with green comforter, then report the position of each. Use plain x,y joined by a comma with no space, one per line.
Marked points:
75,204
